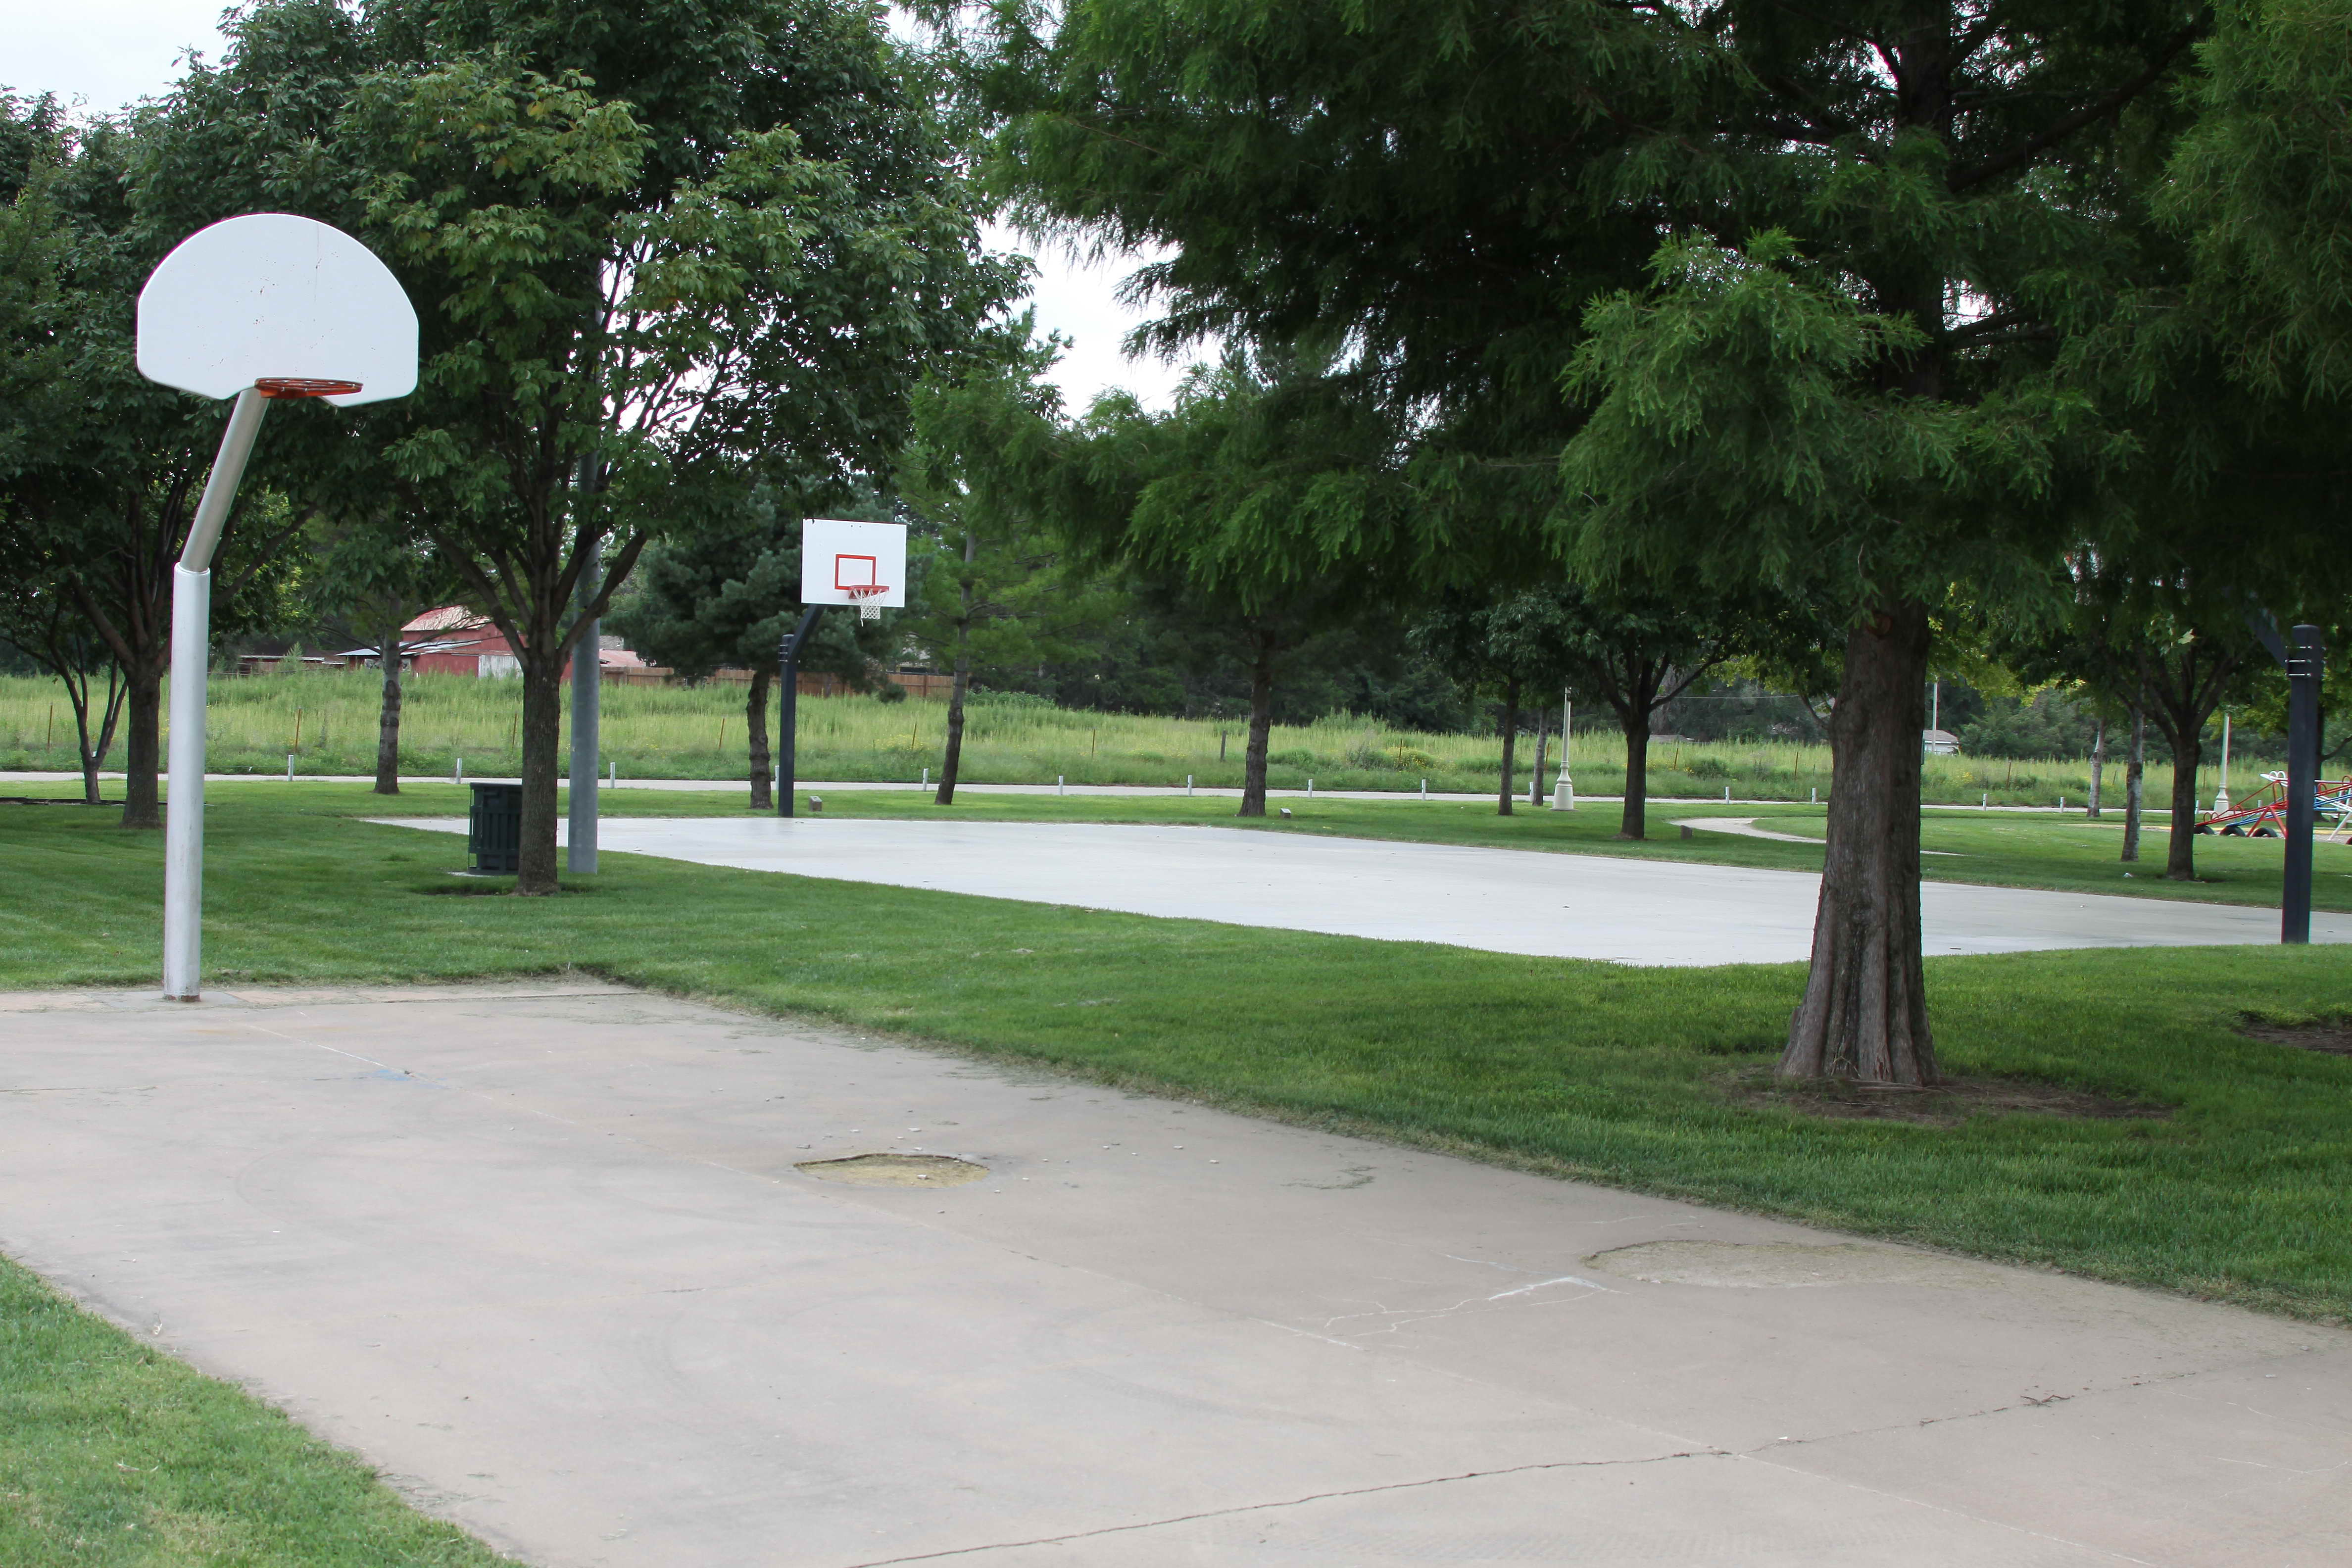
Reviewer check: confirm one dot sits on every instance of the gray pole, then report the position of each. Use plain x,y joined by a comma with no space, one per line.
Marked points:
2305,662
587,678
788,707
192,599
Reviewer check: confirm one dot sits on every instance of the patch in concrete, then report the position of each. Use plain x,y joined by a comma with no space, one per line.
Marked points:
895,1169
1787,1265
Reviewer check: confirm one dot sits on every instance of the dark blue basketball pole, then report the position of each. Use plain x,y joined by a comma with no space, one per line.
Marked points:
2305,662
788,707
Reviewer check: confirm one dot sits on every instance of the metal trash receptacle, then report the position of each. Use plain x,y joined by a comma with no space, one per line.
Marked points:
494,829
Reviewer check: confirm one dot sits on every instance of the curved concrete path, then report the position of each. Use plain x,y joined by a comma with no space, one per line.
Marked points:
543,1255
1506,900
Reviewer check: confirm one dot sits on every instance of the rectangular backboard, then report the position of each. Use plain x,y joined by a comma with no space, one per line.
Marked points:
836,557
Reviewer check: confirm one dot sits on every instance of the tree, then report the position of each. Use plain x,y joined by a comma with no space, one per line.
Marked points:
726,597
100,469
1266,506
996,591
1880,215
37,621
370,570
656,247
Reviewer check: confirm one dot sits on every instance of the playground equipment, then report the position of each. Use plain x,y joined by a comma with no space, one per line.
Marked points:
2261,813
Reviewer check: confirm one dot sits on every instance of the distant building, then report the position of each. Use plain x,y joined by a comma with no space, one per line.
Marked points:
455,640
1939,743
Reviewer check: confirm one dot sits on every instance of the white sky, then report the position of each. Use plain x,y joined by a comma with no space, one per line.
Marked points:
109,53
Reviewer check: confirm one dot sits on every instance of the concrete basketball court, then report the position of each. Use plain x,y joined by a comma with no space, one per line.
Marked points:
1506,900
545,1255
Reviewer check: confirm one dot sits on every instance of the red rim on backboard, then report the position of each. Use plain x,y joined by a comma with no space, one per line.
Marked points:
303,386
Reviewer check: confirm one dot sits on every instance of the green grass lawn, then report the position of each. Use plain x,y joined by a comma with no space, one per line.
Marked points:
1590,1071
2011,848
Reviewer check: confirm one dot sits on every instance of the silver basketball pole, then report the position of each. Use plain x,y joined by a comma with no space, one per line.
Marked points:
191,613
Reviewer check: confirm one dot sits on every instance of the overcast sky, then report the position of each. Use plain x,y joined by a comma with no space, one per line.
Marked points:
108,53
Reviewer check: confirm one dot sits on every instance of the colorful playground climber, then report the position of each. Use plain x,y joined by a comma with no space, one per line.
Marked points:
2261,813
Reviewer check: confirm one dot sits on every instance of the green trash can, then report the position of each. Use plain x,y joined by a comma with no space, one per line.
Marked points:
494,830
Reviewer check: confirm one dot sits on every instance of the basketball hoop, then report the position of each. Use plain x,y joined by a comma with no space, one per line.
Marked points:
867,597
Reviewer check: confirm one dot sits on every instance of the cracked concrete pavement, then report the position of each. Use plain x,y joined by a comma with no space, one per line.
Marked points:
543,1254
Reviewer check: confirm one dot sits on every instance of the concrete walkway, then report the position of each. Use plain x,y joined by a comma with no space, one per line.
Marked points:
1506,900
544,1256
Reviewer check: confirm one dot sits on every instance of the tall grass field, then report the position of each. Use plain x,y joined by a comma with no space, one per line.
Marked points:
327,723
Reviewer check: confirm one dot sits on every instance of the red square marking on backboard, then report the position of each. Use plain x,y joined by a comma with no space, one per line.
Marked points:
844,575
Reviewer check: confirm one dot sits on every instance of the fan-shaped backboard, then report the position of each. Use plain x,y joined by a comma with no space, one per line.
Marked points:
274,296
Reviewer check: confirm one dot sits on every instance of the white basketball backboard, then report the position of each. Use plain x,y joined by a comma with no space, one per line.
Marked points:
838,558
276,297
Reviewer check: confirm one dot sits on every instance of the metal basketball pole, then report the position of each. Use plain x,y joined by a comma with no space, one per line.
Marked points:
2306,663
788,707
587,676
192,615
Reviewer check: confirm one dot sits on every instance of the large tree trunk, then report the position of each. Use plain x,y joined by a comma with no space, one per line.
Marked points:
1510,740
1261,729
387,723
142,746
755,725
1865,1013
543,745
2098,765
1633,822
2184,732
2134,767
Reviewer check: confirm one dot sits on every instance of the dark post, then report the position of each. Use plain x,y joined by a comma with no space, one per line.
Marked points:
2306,663
788,708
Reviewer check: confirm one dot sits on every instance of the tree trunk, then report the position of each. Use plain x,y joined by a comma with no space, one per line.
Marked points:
143,746
755,725
2134,766
1633,822
1261,730
2098,763
952,763
387,724
1865,1013
543,745
1510,740
2185,732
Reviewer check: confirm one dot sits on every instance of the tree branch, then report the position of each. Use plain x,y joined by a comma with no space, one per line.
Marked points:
2024,152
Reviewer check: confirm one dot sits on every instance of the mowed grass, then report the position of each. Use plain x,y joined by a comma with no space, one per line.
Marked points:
1619,1075
327,722
2016,849
112,1454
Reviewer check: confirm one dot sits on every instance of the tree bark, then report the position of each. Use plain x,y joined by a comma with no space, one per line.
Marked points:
542,737
755,725
2134,766
1634,821
1865,1012
952,763
2098,763
387,724
1261,729
142,746
1510,740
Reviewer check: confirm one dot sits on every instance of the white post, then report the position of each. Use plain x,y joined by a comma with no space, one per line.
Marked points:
926,778
1310,789
1424,789
1188,784
290,767
1563,789
191,613
458,771
1059,781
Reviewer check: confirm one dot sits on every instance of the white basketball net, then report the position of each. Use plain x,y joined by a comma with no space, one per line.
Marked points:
868,601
